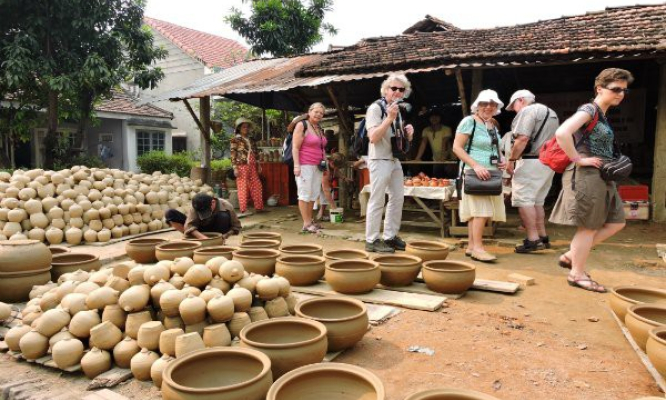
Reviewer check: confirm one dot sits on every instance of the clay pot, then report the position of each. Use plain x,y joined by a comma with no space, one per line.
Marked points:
257,314
220,308
302,250
288,342
214,264
74,302
175,249
157,291
101,297
95,362
124,351
82,322
187,343
22,256
641,318
155,273
232,271
15,287
58,250
33,345
202,255
301,270
135,298
149,335
170,301
448,276
267,289
353,276
105,336
428,250
173,323
180,265
62,335
134,322
52,321
198,275
238,321
346,319
266,235
623,297
143,250
316,381
135,275
656,348
168,341
260,244
141,363
67,353
277,307
398,269
192,310
210,293
450,394
241,297
198,327
70,262
259,261
157,369
14,335
213,239
116,315
347,254
217,335
246,372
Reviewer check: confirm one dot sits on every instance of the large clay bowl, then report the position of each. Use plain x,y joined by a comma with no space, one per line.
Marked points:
23,256
623,297
260,244
301,270
204,254
346,319
428,250
143,250
175,249
328,381
353,276
55,250
229,373
448,276
309,249
656,348
346,254
259,261
398,269
261,235
450,394
289,342
15,287
641,318
70,262
213,239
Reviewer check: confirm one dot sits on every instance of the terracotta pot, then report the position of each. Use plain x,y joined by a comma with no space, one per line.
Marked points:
168,341
259,261
95,362
192,310
302,250
70,262
14,335
180,265
187,343
173,323
197,328
102,297
220,308
398,269
241,297
124,351
277,308
204,254
170,301
135,275
288,342
135,298
158,272
105,336
115,315
623,297
210,293
347,254
641,318
266,235
33,345
149,335
157,369
329,380
62,335
67,353
238,321
175,249
448,276
82,322
143,250
428,250
52,321
15,287
213,239
141,363
450,394
346,319
134,322
214,264
58,250
157,291
217,335
257,314
301,270
198,275
353,276
260,244
232,271
656,348
22,256
267,289
246,372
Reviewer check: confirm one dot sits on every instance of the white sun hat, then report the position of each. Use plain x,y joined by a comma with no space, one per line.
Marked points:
520,94
486,96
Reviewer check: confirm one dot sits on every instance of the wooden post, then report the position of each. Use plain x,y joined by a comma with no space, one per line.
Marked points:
461,93
204,116
477,82
347,129
659,168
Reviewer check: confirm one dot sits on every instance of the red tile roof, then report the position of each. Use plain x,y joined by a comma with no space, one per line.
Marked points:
123,103
212,50
612,32
430,24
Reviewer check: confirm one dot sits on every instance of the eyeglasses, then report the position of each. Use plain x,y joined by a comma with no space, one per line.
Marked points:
618,90
484,104
398,89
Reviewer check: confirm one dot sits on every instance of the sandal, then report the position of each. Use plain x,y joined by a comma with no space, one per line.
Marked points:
592,286
310,229
468,253
564,264
483,256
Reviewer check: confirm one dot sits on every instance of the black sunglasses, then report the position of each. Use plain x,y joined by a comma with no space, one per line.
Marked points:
618,90
398,89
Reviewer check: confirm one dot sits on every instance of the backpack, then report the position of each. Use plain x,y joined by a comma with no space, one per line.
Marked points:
552,155
359,142
287,154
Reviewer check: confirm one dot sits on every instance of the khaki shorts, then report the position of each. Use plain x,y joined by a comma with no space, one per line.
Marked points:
531,183
593,203
309,183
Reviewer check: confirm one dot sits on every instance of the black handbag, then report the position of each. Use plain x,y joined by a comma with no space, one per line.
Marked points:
617,169
472,185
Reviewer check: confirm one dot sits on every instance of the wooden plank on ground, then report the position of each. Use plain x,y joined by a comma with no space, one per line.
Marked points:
110,378
419,287
414,301
488,285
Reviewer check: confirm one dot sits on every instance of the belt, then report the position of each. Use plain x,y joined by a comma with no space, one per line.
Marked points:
530,157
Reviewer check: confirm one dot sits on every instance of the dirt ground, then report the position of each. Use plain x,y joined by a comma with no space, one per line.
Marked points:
540,343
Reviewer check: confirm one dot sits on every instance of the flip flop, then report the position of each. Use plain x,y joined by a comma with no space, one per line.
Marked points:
593,286
564,264
483,256
468,253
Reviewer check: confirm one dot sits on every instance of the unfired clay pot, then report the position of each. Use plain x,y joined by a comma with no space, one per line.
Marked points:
623,297
206,253
124,351
353,276
187,343
175,249
347,254
301,270
22,256
448,276
641,318
143,250
141,363
265,235
260,244
95,362
259,261
656,348
55,250
229,373
428,250
216,335
328,381
309,249
67,353
346,319
149,335
398,269
289,342
70,262
213,239
168,341
157,369
15,287
450,394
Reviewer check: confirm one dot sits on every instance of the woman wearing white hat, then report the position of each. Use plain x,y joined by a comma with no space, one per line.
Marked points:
246,166
476,144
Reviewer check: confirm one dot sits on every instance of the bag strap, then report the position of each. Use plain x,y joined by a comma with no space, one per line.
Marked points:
469,146
541,128
588,129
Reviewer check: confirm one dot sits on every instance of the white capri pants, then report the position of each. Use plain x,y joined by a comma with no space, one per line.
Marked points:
386,177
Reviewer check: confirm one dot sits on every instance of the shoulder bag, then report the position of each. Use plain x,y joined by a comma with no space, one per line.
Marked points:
472,185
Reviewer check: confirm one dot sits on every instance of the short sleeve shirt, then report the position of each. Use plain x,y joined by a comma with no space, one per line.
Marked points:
436,140
529,121
382,149
482,144
599,142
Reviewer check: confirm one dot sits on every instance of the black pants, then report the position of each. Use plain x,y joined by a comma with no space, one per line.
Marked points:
219,222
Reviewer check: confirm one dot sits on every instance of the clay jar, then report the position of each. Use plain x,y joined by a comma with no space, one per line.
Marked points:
187,343
141,363
52,321
641,318
353,276
259,261
451,277
302,250
135,298
170,301
328,381
143,250
175,249
450,394
238,321
157,369
427,250
656,348
398,269
82,322
204,254
347,254
212,239
265,235
33,345
301,270
124,351
15,286
105,336
260,244
218,373
217,335
623,297
14,335
220,308
346,319
192,310
232,271
95,362
134,322
289,342
67,353
149,335
70,262
22,256
168,341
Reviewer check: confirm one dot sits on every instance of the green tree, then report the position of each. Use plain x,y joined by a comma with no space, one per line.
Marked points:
282,27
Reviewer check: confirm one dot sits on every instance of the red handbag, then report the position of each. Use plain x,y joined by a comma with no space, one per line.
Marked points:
552,155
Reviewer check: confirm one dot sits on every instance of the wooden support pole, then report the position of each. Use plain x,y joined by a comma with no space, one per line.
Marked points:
204,116
347,129
194,116
341,112
659,168
461,92
477,82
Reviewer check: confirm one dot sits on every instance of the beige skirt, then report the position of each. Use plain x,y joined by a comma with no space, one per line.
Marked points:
472,206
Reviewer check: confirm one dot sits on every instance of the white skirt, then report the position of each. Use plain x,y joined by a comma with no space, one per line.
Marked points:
472,206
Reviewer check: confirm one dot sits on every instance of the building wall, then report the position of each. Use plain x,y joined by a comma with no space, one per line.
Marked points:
131,144
108,129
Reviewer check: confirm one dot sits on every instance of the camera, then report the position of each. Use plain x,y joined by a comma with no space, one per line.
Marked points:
323,165
494,160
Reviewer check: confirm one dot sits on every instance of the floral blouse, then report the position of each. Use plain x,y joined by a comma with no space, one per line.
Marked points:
241,148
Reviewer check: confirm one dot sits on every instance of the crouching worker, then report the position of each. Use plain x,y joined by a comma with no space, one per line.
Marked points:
208,214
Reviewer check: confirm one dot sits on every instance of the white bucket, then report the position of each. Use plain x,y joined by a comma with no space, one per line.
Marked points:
336,215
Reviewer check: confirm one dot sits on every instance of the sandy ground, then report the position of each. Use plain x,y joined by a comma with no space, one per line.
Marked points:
537,344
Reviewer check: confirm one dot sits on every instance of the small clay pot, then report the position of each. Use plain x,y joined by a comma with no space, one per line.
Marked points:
301,270
14,335
451,277
115,315
67,353
347,254
265,235
259,261
15,287
641,318
656,348
105,336
623,297
313,382
237,322
124,351
175,249
157,369
246,372
232,271
450,394
22,256
170,301
143,250
309,249
187,343
134,322
289,342
95,362
168,341
141,363
217,335
149,335
33,345
55,250
70,262
220,308
353,276
346,319
213,239
398,269
428,250
135,298
204,254
260,244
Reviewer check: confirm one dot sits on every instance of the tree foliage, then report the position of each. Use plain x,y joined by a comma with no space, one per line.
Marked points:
282,27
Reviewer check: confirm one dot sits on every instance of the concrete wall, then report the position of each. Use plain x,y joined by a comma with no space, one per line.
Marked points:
114,128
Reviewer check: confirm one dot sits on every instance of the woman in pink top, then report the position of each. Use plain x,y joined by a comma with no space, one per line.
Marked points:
308,146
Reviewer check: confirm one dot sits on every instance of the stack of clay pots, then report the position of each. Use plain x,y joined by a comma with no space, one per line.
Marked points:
88,204
23,264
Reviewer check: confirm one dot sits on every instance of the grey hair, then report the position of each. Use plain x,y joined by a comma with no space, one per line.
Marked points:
316,105
396,77
528,100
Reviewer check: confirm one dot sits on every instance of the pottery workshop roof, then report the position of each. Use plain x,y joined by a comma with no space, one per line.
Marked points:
635,31
123,103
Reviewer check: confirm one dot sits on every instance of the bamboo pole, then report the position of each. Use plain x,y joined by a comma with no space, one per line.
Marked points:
461,92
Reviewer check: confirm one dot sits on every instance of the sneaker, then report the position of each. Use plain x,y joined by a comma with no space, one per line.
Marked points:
396,243
546,241
529,246
378,246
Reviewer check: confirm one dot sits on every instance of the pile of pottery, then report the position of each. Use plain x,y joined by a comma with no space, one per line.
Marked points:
23,264
88,204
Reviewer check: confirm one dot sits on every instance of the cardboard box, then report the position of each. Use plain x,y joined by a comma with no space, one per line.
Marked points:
637,210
